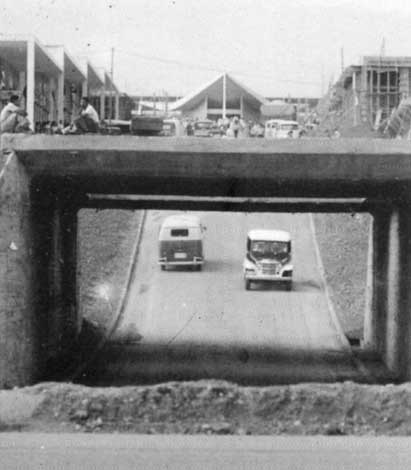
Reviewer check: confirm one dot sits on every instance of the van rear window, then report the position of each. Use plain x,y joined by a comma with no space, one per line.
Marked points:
179,232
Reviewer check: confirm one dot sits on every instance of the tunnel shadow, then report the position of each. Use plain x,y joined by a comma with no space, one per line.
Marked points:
126,364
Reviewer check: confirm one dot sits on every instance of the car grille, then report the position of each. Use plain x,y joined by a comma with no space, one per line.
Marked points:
270,268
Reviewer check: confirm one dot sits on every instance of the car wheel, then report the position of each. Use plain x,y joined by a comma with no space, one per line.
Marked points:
247,284
163,268
289,286
199,267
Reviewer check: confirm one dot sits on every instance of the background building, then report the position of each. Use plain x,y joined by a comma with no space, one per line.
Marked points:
224,97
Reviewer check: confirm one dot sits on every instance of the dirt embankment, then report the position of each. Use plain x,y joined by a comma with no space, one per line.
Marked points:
213,407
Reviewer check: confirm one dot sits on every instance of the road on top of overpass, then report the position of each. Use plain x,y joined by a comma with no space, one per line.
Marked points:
182,324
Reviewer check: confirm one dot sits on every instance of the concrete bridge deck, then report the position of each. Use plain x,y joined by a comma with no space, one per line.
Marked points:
45,180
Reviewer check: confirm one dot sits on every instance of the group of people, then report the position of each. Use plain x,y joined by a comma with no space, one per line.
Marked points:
13,119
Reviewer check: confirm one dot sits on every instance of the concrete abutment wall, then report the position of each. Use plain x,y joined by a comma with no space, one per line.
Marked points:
38,311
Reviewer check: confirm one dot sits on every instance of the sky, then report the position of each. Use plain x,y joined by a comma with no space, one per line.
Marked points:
278,48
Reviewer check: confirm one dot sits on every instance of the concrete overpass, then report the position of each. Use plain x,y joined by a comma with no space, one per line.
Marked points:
44,181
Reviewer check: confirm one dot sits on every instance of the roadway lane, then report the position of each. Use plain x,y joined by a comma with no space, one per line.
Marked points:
28,451
186,325
181,306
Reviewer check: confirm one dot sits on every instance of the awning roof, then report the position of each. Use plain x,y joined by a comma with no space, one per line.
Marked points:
14,51
109,84
72,70
214,91
95,80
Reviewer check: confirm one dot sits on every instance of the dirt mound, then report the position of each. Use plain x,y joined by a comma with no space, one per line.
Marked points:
216,407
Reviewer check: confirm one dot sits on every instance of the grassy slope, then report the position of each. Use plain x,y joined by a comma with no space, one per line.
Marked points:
106,239
343,241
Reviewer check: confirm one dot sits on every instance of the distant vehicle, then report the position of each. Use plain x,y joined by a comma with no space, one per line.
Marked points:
146,125
257,130
281,129
115,126
172,128
268,258
181,242
206,128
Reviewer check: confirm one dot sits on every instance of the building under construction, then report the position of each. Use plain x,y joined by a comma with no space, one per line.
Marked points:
368,93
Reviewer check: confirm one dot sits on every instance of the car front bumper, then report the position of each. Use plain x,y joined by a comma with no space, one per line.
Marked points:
267,277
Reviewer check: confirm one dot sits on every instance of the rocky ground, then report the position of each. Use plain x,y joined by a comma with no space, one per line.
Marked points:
210,407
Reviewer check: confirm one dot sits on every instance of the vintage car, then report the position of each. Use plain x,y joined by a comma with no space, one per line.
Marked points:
268,258
206,128
282,129
181,242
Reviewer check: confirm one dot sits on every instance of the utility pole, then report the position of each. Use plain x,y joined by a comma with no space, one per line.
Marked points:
382,51
111,86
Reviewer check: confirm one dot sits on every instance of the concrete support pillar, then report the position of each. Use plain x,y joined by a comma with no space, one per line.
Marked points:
102,104
397,354
30,84
52,109
376,295
63,324
20,355
84,88
116,106
224,110
60,98
387,328
363,92
38,295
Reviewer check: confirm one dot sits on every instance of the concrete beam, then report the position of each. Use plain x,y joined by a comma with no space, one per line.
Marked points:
133,202
321,168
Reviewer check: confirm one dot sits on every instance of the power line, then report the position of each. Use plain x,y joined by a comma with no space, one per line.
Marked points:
213,69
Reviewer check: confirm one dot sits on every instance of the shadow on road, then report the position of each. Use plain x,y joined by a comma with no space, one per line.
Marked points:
126,364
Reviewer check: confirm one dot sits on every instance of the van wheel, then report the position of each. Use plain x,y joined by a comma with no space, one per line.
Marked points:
247,284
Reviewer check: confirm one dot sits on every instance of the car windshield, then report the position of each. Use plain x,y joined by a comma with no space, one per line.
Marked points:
289,127
203,125
268,249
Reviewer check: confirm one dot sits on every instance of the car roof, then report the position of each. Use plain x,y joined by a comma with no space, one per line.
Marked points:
181,220
269,235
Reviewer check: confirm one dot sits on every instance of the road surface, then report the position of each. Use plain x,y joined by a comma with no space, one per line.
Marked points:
187,324
26,451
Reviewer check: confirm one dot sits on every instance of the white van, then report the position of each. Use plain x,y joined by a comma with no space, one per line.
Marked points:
181,242
268,258
281,129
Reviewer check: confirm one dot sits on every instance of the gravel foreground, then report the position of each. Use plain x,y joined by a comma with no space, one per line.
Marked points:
210,407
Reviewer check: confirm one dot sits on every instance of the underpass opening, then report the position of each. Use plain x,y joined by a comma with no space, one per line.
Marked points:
180,324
